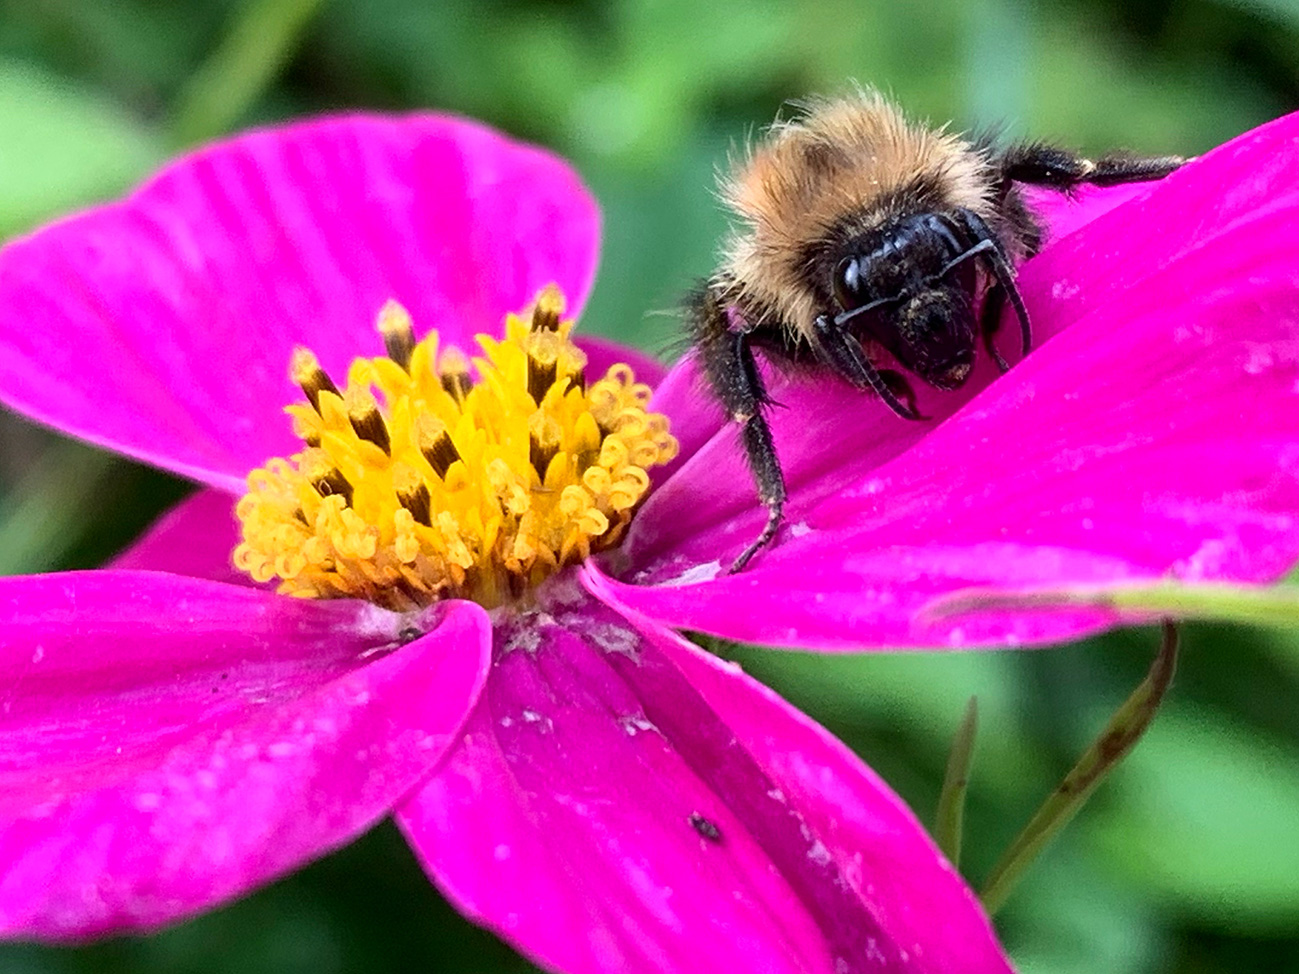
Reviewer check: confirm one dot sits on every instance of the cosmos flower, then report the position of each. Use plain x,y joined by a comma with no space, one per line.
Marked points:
585,782
571,773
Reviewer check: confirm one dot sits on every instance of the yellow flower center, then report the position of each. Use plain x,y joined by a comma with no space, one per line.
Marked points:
419,482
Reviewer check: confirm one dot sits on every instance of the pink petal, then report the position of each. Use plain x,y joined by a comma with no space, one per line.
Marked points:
572,819
1065,213
161,325
195,538
169,743
1153,435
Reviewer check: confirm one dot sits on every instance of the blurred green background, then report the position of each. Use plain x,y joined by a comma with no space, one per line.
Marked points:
1186,861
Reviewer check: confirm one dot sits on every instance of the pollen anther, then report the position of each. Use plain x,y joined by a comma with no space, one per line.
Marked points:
398,333
430,475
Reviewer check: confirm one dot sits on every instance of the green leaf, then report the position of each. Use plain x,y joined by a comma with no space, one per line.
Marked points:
1072,919
1206,818
1121,733
259,40
62,147
47,512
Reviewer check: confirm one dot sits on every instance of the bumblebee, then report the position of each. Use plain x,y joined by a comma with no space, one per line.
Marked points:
875,247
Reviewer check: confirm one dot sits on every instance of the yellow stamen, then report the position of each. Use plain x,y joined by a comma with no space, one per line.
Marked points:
419,483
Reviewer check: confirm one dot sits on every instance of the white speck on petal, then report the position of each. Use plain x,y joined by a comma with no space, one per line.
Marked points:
1063,290
1206,561
378,623
524,638
544,723
1260,359
706,572
614,639
634,724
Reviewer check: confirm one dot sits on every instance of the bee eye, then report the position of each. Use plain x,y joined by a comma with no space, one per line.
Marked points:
848,284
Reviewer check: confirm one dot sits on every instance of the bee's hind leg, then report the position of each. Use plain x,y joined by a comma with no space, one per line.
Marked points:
1041,164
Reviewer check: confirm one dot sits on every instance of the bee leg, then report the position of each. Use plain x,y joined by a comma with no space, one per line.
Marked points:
728,362
1039,164
901,388
843,354
759,448
980,235
994,300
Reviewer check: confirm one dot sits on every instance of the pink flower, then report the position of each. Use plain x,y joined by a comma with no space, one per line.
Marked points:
571,773
602,794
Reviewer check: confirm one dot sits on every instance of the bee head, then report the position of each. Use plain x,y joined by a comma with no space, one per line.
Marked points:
932,335
902,291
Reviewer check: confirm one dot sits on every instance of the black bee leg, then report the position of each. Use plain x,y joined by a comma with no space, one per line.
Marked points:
727,360
759,448
994,300
898,385
842,353
1039,164
982,238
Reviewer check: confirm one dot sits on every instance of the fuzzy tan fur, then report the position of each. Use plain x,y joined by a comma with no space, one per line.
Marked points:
842,160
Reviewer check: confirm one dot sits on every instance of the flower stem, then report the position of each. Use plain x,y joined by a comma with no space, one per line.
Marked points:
949,820
258,42
1120,734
